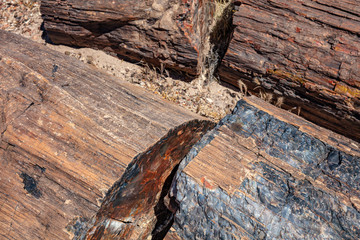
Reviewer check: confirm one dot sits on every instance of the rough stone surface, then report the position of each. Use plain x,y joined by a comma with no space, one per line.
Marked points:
165,33
68,132
305,51
265,178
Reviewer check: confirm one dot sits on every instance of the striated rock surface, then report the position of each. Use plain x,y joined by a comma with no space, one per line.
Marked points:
68,132
165,33
263,173
305,51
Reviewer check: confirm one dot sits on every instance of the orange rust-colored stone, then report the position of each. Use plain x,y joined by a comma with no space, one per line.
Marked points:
132,203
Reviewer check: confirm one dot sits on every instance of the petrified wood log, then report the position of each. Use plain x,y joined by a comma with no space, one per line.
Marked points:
263,173
306,51
68,132
171,33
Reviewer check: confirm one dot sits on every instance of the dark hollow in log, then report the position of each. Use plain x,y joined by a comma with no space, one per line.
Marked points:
68,132
263,173
306,53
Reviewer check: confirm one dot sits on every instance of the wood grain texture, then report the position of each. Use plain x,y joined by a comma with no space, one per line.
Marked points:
68,132
264,177
165,33
306,51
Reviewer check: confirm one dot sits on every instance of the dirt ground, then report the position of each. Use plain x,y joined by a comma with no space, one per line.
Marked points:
214,101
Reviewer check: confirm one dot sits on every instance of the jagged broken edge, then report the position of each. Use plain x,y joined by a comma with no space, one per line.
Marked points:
174,137
216,37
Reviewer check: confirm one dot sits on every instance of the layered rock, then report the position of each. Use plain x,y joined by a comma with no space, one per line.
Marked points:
68,132
306,52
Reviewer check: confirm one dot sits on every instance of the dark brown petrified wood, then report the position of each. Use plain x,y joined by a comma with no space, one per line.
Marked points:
68,132
302,55
166,33
305,51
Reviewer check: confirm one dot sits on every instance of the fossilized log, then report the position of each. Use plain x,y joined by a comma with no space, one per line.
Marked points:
166,33
263,173
306,51
68,132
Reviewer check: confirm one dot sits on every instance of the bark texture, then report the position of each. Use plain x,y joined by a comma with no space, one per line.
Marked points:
306,51
263,173
68,132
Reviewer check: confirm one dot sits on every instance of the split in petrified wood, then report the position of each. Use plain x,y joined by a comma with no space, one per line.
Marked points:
135,207
174,34
260,173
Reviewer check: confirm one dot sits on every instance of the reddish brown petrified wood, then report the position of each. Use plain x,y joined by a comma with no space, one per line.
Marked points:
68,132
303,55
135,207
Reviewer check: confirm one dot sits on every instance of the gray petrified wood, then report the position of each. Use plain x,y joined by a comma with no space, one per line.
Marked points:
263,173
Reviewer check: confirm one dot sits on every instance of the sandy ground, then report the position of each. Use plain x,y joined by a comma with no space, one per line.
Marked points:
214,101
